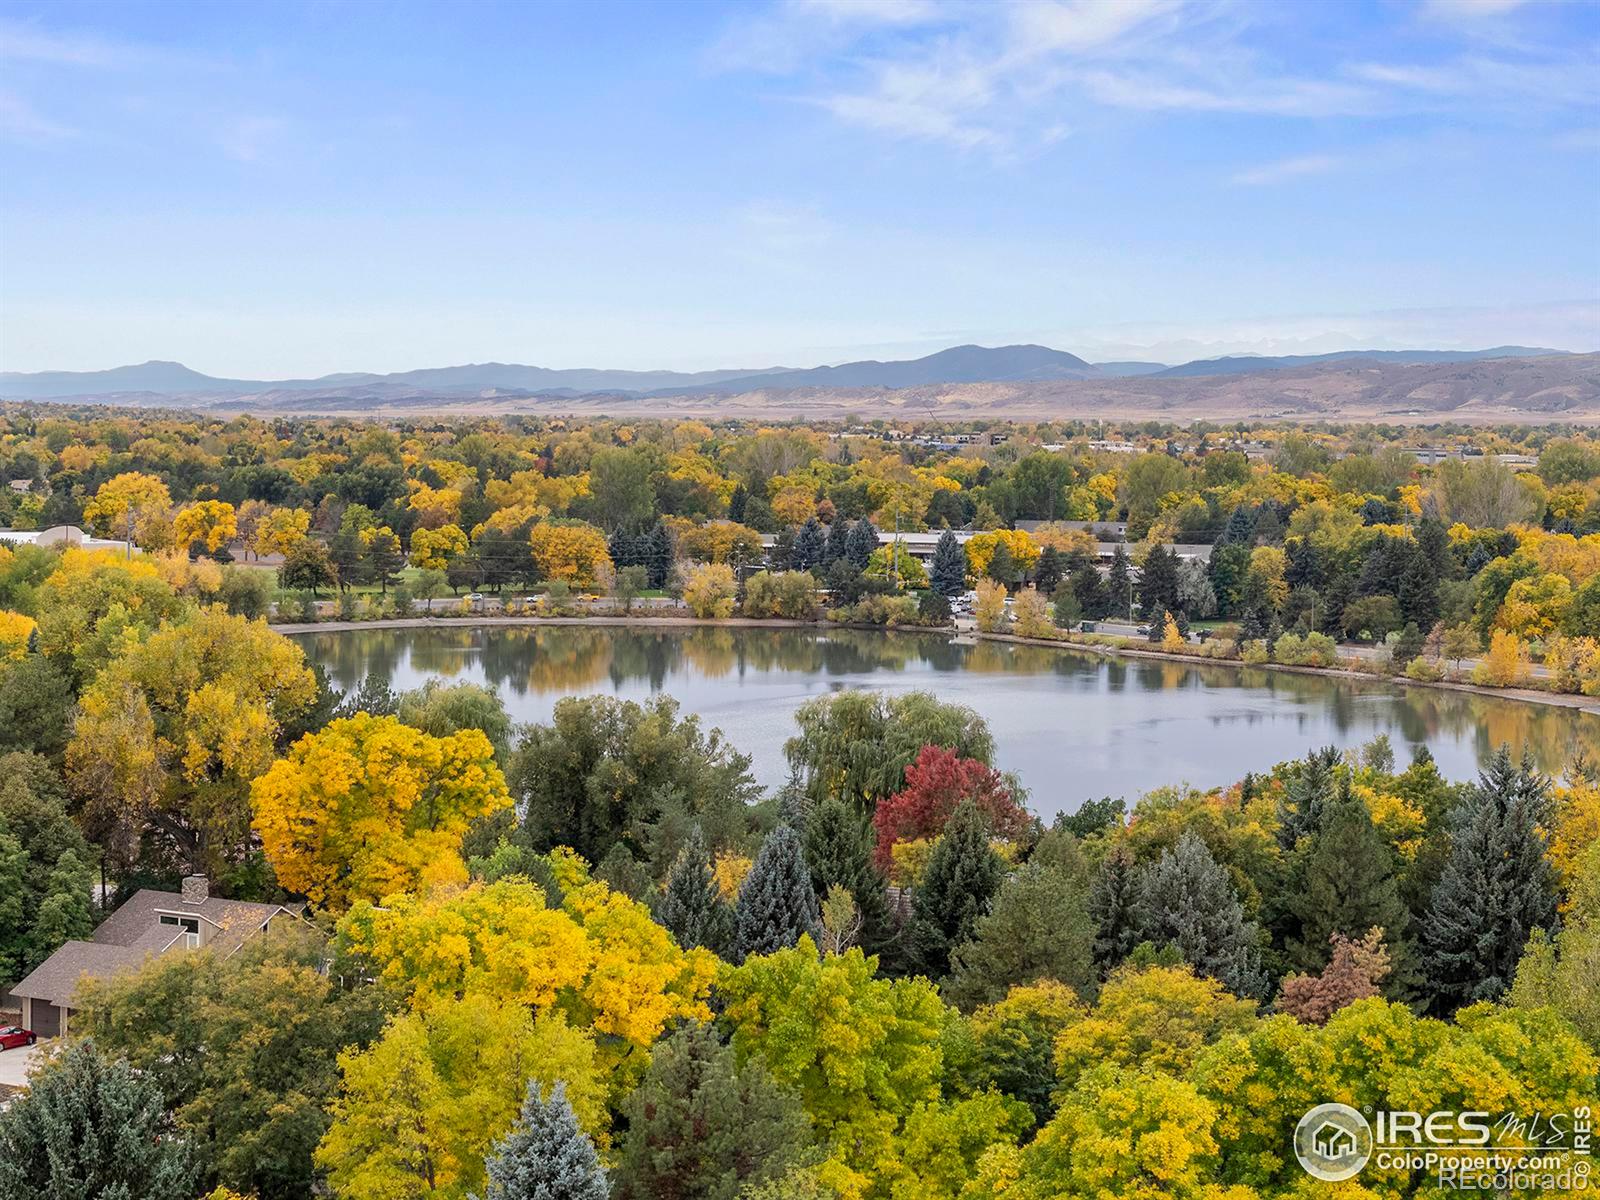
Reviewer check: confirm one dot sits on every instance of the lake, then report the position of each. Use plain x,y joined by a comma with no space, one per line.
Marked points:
1071,725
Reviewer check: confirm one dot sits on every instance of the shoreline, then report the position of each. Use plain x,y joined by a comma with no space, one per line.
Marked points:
1587,704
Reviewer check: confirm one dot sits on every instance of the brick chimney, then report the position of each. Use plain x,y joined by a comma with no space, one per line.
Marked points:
196,889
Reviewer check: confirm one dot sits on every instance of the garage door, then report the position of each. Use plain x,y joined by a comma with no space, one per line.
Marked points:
46,1019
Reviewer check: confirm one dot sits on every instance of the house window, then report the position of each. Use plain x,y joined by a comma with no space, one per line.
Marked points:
190,927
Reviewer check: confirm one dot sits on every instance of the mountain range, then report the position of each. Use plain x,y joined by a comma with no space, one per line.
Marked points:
957,365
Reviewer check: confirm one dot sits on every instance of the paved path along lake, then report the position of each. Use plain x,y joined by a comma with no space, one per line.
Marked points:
1071,725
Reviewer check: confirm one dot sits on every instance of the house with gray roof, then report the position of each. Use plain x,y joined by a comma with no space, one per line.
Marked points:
148,924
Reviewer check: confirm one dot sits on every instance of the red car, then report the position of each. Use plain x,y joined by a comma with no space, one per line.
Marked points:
11,1037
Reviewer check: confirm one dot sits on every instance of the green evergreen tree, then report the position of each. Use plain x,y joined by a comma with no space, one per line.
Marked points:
702,1127
838,844
1418,591
1158,584
1047,575
1090,590
1002,565
948,575
862,542
1348,886
658,557
1300,808
1187,902
691,907
89,1129
1119,584
545,1156
810,545
1038,928
1496,889
776,905
622,872
1113,907
961,878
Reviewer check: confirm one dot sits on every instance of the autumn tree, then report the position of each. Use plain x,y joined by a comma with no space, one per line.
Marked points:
132,506
371,806
709,591
420,1109
574,552
1354,971
205,525
172,732
307,566
935,785
279,531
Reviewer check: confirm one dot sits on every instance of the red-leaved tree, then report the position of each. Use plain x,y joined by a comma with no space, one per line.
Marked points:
939,780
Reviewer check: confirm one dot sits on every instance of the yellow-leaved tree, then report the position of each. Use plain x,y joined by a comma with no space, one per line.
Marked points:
175,727
432,549
369,807
132,505
574,552
990,608
208,523
281,530
16,631
421,1107
709,591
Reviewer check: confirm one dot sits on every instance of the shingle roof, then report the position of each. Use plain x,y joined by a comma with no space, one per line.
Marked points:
134,932
56,978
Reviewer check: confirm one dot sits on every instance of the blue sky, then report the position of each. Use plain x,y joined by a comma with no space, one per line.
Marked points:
276,189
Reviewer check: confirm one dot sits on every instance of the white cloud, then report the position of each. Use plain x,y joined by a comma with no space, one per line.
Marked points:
1471,10
1286,169
248,139
1001,76
21,122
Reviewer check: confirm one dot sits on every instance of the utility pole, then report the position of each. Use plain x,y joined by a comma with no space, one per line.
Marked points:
894,551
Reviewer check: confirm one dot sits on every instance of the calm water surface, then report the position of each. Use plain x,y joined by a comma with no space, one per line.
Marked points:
1071,725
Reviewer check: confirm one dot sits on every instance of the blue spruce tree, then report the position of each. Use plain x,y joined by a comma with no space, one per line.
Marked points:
776,904
545,1156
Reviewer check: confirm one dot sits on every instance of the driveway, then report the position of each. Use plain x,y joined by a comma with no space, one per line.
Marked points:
15,1064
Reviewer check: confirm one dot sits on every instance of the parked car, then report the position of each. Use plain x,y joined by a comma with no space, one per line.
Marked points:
13,1037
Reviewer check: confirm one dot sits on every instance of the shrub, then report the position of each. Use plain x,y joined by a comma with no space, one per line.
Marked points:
1312,650
990,609
790,594
1254,652
709,591
1032,615
1506,664
1424,670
